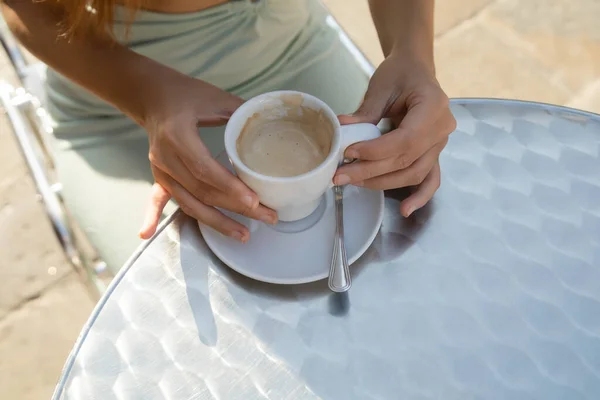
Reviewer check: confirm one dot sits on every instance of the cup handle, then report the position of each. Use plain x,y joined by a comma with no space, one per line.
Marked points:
355,133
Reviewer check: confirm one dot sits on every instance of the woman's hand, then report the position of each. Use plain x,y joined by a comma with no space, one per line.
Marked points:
182,166
409,94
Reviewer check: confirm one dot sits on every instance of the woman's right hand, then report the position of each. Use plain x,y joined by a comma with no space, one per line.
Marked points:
183,167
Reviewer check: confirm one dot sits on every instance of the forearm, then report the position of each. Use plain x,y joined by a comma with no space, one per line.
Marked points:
111,71
405,27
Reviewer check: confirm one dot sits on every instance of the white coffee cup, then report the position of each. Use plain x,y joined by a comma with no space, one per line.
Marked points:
296,197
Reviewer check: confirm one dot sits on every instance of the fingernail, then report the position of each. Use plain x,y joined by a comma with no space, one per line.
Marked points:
248,201
351,153
141,233
361,183
342,179
237,236
268,219
409,211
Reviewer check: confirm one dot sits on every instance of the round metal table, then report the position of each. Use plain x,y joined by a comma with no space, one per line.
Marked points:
492,291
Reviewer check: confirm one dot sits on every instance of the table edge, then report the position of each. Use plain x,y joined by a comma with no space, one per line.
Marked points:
105,296
515,102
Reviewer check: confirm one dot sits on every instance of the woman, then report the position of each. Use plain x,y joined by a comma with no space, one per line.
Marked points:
137,78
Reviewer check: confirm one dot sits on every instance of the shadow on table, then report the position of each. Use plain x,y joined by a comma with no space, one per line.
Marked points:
201,269
196,278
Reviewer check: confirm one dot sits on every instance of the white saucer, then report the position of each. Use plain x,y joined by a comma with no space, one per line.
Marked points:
273,256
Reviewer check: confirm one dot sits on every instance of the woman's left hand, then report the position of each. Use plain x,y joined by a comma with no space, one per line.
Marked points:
409,94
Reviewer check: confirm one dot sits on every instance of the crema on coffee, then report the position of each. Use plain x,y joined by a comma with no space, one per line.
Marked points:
285,140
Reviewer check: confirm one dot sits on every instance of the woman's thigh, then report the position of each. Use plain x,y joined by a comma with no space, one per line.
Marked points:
106,187
337,79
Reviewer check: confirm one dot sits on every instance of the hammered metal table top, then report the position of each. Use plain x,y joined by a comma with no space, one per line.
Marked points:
490,292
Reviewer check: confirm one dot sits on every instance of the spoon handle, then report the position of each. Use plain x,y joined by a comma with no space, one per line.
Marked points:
339,275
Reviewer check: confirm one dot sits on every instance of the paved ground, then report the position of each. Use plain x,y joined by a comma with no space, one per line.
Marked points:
544,50
43,303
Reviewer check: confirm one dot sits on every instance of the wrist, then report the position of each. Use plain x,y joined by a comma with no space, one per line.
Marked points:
414,62
156,84
415,50
405,28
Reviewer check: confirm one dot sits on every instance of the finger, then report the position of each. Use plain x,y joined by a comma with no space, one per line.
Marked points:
417,133
379,98
390,173
363,170
159,198
204,167
243,201
423,194
412,176
207,169
215,198
206,214
212,196
219,116
196,158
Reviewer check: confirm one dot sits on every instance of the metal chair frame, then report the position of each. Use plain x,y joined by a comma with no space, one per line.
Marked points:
32,130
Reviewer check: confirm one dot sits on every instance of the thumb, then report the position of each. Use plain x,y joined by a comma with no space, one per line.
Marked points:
219,111
158,200
376,103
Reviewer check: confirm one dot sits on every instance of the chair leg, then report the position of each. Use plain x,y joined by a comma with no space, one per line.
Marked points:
15,103
12,49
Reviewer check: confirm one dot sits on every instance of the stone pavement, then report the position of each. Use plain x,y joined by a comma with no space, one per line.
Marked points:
544,50
541,50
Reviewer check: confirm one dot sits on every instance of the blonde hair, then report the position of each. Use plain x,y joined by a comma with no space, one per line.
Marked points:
94,16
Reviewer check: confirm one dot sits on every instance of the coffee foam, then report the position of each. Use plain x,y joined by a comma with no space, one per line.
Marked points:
285,139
